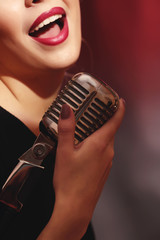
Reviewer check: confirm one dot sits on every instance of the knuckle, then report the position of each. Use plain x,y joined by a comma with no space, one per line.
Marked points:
103,147
63,129
111,153
99,146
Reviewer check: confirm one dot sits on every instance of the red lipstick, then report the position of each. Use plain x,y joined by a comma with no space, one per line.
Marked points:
50,40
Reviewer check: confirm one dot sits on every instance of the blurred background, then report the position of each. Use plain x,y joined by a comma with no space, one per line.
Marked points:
122,46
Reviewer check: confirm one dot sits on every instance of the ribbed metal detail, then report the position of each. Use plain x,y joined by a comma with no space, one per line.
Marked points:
92,107
78,93
85,91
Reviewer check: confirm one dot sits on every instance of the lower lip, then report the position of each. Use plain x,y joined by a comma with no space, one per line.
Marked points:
61,37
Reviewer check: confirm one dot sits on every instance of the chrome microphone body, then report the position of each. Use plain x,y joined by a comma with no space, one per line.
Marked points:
92,101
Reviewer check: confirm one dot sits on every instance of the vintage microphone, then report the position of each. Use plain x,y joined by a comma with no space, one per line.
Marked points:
93,103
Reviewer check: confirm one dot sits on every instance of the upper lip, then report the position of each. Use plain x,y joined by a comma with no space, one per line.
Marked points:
45,15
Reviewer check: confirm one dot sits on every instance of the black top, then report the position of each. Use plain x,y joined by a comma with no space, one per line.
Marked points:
15,139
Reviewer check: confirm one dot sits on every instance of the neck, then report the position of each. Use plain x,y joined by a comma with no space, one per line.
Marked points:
30,97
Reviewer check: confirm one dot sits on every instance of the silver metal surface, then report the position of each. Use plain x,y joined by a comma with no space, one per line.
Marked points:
92,101
29,164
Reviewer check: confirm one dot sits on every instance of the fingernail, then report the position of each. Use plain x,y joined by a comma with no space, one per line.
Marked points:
65,111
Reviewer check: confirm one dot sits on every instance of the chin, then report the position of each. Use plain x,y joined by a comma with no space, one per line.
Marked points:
60,59
67,61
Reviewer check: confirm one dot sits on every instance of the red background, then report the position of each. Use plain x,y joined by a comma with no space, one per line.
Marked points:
123,48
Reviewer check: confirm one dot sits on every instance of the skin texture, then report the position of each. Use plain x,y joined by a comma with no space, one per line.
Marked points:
80,174
26,63
30,78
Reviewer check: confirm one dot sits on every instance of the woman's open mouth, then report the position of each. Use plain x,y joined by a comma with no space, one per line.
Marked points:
51,27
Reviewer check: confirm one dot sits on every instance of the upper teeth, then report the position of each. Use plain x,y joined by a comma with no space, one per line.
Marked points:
47,21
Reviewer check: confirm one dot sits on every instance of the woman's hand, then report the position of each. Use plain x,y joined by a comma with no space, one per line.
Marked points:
80,174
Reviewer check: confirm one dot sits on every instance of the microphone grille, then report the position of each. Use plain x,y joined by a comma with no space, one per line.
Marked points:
92,101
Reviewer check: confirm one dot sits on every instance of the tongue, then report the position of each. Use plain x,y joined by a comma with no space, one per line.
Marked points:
50,32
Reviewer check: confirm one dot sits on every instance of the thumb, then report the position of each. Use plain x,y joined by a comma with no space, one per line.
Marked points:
66,128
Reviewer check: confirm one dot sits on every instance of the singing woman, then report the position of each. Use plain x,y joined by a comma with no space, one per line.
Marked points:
39,41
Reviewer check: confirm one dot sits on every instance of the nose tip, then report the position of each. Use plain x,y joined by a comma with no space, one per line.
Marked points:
28,3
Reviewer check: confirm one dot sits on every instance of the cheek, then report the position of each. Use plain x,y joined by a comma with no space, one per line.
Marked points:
10,18
75,22
10,29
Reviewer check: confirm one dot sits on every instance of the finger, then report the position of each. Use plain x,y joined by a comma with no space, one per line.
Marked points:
112,142
115,122
66,128
108,130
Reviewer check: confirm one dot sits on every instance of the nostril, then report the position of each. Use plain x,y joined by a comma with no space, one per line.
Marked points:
29,3
36,1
